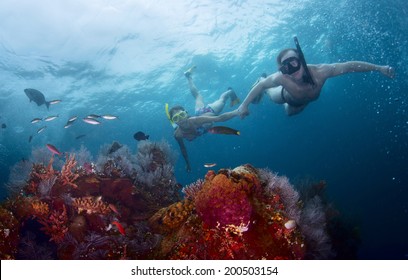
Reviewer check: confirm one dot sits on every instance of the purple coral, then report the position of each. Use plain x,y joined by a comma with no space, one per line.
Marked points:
281,185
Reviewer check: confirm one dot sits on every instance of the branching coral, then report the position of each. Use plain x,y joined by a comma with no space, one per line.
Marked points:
55,225
40,209
40,172
91,205
68,175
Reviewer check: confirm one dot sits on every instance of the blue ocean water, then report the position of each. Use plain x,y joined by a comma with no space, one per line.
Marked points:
127,58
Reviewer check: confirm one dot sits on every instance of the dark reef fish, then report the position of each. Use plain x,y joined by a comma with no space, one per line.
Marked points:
37,97
140,136
115,146
3,125
223,130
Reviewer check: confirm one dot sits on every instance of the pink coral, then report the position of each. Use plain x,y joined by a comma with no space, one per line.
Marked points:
224,200
67,176
56,225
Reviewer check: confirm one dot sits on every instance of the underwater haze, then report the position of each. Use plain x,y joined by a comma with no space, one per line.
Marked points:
127,59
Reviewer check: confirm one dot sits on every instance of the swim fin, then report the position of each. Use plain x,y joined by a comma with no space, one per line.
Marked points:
190,71
234,98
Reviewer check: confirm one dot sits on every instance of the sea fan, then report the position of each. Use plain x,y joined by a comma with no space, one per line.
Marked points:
31,249
41,155
87,249
118,159
45,186
155,163
19,175
190,191
155,170
281,185
82,156
313,226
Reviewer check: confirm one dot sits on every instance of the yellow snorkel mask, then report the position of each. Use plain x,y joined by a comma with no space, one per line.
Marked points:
181,115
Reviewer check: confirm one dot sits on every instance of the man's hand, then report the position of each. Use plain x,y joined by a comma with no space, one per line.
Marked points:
242,112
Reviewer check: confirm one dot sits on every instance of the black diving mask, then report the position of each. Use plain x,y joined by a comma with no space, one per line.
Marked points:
290,65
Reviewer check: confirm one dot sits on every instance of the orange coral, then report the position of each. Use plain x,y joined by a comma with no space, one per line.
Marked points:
39,208
91,205
67,176
172,217
56,225
43,173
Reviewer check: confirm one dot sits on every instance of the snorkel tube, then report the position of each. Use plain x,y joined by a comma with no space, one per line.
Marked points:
308,77
168,116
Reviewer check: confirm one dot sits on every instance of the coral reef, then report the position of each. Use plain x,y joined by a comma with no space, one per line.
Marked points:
131,207
68,175
91,205
116,160
233,215
80,212
155,170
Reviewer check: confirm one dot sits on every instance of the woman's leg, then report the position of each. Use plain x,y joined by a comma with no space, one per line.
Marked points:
199,102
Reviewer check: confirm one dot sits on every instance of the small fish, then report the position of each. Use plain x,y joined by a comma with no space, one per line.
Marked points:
208,165
119,226
30,138
56,101
223,130
109,117
41,129
91,121
50,118
73,118
140,136
36,120
53,149
80,136
114,209
68,124
36,96
3,125
93,116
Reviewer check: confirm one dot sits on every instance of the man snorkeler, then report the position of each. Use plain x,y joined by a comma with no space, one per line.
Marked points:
297,83
191,127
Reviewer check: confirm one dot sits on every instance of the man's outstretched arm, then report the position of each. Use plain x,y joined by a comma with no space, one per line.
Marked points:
336,69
